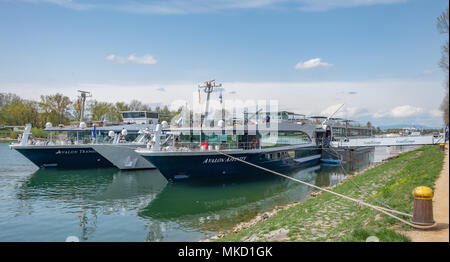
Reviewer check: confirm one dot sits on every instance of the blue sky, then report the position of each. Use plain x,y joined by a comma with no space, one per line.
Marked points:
379,57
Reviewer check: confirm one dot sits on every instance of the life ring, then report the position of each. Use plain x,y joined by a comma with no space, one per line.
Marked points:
254,142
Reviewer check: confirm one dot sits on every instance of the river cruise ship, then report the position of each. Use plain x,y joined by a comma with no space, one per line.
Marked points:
72,146
277,143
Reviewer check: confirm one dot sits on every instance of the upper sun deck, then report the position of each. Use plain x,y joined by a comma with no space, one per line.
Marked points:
140,117
99,128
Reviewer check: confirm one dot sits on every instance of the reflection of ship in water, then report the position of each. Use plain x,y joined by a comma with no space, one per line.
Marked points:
383,152
353,159
93,193
105,185
167,211
212,208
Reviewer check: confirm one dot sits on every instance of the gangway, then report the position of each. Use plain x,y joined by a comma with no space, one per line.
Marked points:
390,141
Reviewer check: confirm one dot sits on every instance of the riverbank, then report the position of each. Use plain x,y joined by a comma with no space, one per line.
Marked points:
327,217
440,210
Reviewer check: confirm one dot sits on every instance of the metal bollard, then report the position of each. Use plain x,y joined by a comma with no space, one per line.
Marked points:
423,206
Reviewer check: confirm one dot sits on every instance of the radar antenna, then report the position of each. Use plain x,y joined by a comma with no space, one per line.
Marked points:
82,102
325,122
208,87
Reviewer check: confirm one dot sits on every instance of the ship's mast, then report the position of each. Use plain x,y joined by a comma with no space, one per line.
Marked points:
83,95
208,88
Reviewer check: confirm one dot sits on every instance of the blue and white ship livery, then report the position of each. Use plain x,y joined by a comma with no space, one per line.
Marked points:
73,146
281,144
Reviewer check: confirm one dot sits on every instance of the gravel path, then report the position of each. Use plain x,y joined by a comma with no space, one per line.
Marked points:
440,210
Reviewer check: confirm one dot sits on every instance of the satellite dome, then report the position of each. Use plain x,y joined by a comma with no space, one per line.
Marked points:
82,124
164,124
48,125
111,133
221,123
124,132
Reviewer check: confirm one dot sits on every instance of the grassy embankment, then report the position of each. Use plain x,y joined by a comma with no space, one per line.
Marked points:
330,218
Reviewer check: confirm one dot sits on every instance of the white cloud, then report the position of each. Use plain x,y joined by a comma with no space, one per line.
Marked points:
436,113
400,111
145,59
204,6
344,112
406,110
312,63
323,5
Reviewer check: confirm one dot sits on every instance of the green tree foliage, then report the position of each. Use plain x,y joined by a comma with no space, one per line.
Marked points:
101,111
21,113
120,107
55,108
112,112
58,109
15,111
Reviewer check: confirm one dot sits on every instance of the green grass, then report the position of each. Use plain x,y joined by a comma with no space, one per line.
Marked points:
330,218
361,234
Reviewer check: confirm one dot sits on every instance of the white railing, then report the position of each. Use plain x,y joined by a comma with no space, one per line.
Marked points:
390,141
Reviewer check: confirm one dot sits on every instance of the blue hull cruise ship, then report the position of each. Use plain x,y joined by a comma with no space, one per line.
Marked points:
282,144
72,147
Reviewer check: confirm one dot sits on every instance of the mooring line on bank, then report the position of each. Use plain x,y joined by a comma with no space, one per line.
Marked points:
378,208
362,190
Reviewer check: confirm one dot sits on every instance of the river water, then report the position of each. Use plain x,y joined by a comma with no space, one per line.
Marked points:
113,205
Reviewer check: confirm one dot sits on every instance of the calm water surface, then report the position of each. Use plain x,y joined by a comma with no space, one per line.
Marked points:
113,205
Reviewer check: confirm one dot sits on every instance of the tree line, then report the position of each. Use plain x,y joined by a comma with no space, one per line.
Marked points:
59,109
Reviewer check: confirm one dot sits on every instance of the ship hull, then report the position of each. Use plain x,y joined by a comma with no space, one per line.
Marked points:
217,166
73,157
124,156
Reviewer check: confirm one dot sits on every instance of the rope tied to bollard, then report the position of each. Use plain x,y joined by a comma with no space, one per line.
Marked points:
362,203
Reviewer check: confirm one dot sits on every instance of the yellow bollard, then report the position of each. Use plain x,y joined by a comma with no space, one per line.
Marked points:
423,206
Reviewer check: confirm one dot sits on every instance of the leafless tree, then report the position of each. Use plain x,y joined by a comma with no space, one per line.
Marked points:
442,26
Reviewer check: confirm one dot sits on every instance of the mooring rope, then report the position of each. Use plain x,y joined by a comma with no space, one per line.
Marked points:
362,190
380,209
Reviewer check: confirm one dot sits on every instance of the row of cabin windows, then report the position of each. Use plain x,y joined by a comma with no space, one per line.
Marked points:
290,154
139,115
274,156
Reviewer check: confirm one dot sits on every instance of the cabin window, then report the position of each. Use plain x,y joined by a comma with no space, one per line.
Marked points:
291,154
275,139
152,115
133,115
306,153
